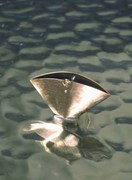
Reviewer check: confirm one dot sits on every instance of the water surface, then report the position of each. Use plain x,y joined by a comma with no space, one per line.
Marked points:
90,38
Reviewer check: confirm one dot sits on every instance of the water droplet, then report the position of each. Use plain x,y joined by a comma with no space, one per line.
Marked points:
65,91
66,82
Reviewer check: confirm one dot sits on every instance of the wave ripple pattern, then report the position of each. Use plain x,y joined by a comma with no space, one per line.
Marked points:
93,38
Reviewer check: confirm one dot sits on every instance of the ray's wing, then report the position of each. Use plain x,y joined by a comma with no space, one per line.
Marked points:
69,94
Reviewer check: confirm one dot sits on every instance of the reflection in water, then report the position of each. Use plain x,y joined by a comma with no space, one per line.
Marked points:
67,140
68,95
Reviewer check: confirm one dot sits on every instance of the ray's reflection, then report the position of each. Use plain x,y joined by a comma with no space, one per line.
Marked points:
67,140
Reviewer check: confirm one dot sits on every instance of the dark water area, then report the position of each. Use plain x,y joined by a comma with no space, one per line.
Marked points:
93,38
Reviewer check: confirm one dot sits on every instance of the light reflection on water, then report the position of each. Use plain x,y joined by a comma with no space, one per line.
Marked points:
91,38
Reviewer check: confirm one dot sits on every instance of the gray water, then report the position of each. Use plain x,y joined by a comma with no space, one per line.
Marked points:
92,38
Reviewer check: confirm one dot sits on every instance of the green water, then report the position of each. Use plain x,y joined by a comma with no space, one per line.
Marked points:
92,38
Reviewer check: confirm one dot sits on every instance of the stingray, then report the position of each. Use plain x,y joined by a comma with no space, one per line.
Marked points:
68,95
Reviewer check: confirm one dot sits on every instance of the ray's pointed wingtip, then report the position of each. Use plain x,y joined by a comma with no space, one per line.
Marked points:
31,80
108,94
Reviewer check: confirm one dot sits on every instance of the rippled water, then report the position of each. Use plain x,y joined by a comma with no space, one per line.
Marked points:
92,38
